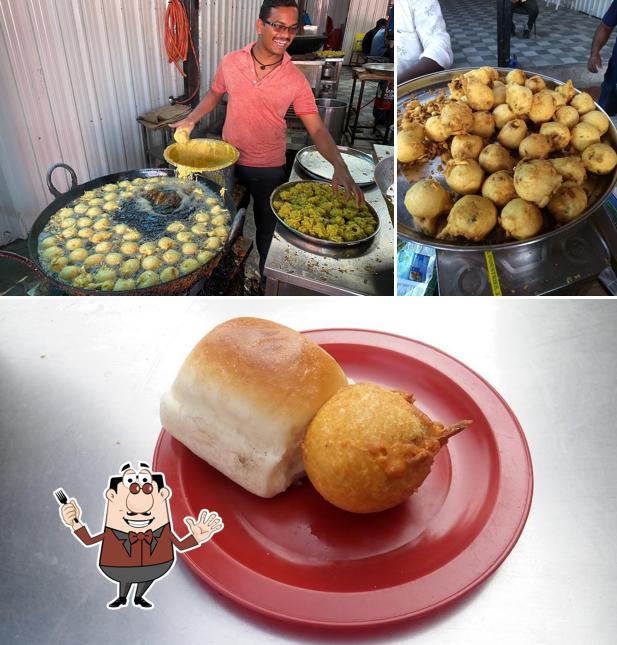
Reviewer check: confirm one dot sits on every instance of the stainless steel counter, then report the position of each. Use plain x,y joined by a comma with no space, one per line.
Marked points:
291,270
80,381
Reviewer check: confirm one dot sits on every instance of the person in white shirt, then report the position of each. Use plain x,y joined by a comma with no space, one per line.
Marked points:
423,44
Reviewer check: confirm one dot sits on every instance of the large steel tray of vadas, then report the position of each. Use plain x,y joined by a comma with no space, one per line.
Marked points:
322,218
433,91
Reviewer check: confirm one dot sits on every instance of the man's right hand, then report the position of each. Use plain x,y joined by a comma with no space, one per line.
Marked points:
187,124
70,514
594,64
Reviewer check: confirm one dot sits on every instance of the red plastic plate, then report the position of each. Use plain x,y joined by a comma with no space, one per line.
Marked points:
297,558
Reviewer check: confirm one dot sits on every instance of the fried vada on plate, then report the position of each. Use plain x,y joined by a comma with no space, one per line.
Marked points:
599,158
368,448
472,217
520,219
568,203
427,198
536,180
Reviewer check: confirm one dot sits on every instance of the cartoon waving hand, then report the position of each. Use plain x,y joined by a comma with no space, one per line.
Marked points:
206,526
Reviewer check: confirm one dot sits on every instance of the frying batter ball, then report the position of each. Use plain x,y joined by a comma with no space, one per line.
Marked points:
112,196
111,206
567,91
81,208
113,259
174,227
457,118
148,248
213,243
51,241
512,133
68,222
151,262
166,243
219,220
499,188
57,264
499,95
502,114
542,108
65,212
69,273
368,449
200,229
83,281
535,83
584,135
466,146
188,265
598,119
101,236
129,248
68,233
570,168
519,99
96,202
535,146
483,124
427,198
101,224
205,257
78,255
599,158
204,217
132,236
558,135
520,219
86,233
105,274
220,231
536,180
495,157
170,273
480,75
568,203
517,76
413,127
190,248
74,243
583,103
83,222
121,229
124,284
94,211
567,116
479,95
185,236
435,131
129,267
94,260
472,217
464,176
558,99
172,256
109,187
408,148
104,247
148,279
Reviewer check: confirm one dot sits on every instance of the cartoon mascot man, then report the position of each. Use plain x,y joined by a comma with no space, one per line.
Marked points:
137,545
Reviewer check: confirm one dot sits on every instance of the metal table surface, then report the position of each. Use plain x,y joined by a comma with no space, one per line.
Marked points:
370,274
80,381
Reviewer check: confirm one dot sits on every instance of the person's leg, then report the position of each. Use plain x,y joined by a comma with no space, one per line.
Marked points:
260,183
608,91
532,12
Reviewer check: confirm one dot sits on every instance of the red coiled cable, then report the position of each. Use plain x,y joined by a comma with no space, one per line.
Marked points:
177,39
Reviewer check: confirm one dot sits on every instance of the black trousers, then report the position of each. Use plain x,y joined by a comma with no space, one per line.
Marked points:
529,8
260,182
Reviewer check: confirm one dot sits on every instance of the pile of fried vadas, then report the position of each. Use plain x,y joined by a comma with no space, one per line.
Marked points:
521,158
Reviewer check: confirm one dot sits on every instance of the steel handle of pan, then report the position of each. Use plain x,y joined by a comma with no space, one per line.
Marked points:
50,184
237,226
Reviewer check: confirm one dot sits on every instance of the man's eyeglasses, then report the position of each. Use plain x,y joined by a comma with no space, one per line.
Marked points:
280,28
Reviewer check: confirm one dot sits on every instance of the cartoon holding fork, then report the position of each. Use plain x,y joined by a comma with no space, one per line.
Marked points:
137,544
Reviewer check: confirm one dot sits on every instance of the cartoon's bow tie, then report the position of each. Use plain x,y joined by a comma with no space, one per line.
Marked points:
135,537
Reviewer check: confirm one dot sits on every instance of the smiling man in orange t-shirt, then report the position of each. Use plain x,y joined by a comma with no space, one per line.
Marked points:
261,83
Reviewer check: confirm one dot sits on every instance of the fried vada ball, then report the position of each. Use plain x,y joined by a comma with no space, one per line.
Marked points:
567,116
148,248
69,273
456,88
96,202
84,222
558,135
570,168
512,133
52,240
479,75
200,229
124,284
479,95
188,265
427,198
57,264
599,158
65,212
132,236
108,187
168,274
456,117
415,132
584,135
175,227
535,146
94,260
152,263
220,220
104,247
499,188
558,98
101,236
78,255
516,76
101,224
105,274
220,231
172,256
521,219
74,243
567,203
85,233
130,266
368,448
202,217
435,130
114,259
495,157
204,257
583,103
535,84
166,243
94,211
502,114
129,248
466,146
68,222
147,279
127,194
111,206
213,243
190,248
68,233
184,236
121,229
566,90
519,99
426,225
472,217
536,180
408,149
81,208
598,119
542,108
483,124
464,176
108,197
499,95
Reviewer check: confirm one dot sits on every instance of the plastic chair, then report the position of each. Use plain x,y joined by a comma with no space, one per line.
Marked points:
357,50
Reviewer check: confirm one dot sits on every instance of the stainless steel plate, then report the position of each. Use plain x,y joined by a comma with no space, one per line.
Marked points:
379,67
360,164
429,87
316,240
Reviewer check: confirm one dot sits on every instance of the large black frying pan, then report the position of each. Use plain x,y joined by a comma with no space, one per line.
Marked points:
178,286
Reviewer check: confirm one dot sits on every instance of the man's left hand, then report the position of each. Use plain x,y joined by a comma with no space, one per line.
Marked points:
342,179
206,526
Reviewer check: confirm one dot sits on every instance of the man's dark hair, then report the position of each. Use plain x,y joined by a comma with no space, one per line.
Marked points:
381,23
156,477
268,5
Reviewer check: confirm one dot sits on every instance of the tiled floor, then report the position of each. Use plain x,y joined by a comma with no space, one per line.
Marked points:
562,36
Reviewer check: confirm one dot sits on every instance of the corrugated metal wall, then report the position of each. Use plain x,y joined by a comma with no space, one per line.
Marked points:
363,14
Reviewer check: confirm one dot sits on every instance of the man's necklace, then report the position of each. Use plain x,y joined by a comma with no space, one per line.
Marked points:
262,65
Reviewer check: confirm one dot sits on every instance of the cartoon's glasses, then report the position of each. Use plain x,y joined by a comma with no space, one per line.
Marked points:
135,488
280,28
